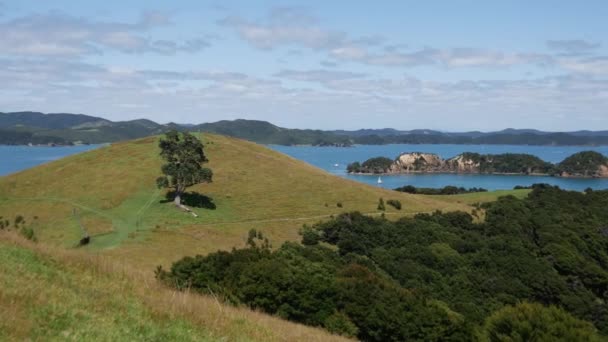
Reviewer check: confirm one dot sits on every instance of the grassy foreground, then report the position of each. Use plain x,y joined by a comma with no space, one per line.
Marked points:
48,293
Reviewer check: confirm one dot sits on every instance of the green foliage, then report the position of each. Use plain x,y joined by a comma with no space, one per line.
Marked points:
339,323
534,322
434,276
28,233
586,163
447,190
394,203
381,205
184,156
256,235
375,165
310,237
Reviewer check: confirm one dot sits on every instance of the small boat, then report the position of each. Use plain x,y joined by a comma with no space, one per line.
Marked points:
379,180
336,165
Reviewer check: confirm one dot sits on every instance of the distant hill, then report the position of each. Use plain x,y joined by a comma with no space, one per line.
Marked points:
46,121
267,133
20,128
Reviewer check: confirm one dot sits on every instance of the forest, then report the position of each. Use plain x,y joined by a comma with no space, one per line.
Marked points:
537,265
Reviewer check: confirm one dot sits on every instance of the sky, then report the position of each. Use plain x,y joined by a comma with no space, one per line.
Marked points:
445,65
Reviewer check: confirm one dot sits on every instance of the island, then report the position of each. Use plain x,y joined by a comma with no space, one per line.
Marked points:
586,164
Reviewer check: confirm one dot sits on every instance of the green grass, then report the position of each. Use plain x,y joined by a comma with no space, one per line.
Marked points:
480,197
53,294
44,300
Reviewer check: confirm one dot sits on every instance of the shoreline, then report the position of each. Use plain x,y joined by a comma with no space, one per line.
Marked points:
472,174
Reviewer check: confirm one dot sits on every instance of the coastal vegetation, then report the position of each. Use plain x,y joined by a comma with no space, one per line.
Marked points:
446,190
585,164
373,165
535,262
581,164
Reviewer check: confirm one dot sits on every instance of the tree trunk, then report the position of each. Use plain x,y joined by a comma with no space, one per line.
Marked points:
178,203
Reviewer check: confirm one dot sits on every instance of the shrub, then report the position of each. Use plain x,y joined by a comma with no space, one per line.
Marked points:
534,322
309,236
339,323
394,203
28,233
381,205
339,204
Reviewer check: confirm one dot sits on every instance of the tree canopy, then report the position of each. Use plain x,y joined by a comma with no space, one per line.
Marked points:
184,156
432,277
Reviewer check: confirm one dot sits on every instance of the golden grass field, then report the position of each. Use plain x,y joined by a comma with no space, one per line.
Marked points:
114,193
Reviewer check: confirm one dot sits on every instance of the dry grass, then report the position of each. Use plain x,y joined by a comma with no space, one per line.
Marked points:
104,282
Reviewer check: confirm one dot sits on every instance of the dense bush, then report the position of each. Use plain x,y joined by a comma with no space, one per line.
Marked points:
373,165
534,322
584,163
394,203
438,276
447,190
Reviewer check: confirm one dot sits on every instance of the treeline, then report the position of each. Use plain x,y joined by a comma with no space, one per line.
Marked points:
8,137
510,163
375,165
446,190
564,139
433,277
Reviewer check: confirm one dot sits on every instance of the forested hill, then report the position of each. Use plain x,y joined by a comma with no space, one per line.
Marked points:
537,262
19,128
266,133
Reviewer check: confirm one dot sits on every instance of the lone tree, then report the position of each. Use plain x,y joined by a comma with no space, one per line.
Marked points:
184,157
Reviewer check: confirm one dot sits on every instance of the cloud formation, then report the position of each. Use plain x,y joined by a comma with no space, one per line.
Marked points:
61,35
285,26
296,27
572,46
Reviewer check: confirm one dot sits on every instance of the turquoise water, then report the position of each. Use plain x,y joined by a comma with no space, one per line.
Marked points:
327,157
17,158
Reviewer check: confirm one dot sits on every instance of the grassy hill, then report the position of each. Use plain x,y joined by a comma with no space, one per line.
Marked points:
113,191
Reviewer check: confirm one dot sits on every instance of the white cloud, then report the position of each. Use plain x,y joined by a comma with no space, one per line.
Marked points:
572,46
285,26
61,35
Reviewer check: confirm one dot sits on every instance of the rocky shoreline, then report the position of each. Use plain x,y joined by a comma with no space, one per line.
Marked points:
587,164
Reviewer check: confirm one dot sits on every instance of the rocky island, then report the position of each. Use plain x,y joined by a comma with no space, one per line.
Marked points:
582,164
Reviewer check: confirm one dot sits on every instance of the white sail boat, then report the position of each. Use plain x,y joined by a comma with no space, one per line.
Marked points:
380,180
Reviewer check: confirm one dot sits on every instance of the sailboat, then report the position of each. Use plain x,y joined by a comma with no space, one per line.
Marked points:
380,180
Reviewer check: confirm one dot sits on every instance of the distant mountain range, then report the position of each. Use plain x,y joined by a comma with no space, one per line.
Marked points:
20,128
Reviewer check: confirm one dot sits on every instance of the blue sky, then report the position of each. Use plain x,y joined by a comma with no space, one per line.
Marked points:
447,65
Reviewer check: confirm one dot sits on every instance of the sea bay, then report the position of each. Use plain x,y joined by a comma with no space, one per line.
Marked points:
335,160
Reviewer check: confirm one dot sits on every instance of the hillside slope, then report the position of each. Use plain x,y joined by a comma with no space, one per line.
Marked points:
52,294
113,192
